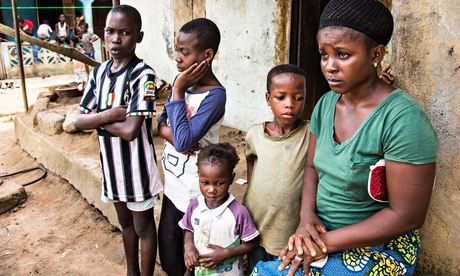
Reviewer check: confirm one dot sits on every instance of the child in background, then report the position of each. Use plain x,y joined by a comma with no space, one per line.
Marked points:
275,157
25,25
44,31
118,103
62,32
191,119
81,76
218,229
87,40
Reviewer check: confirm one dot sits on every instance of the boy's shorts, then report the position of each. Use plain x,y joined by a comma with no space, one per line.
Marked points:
140,206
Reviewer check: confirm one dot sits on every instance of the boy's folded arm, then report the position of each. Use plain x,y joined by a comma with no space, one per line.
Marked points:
127,130
90,120
187,133
86,120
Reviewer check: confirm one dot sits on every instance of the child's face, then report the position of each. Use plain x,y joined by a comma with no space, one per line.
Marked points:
188,51
215,179
121,35
346,63
61,18
286,97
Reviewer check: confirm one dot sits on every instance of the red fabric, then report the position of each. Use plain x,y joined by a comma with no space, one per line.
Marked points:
378,185
27,25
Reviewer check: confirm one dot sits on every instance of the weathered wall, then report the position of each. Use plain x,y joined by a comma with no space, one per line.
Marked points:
426,59
247,51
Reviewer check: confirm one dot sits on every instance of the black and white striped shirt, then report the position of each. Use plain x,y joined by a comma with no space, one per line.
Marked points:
129,170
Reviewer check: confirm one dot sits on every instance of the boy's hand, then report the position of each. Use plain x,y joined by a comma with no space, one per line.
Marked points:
211,260
386,75
191,256
189,78
116,114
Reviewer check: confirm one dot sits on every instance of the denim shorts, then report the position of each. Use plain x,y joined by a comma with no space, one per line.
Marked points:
140,206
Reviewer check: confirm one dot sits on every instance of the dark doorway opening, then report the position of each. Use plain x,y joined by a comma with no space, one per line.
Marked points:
99,16
48,10
303,49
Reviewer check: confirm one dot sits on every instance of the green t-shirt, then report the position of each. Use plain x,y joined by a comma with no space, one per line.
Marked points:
397,130
274,193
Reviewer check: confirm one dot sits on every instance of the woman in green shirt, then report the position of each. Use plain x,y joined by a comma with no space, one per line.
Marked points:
362,120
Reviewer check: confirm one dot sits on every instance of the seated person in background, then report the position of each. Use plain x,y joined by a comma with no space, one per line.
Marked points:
44,31
62,31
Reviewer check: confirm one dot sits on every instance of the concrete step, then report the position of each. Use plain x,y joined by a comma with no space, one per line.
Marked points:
82,170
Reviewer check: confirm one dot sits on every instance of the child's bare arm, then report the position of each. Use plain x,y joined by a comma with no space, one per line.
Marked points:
95,120
165,132
190,252
387,76
220,254
94,38
127,130
249,167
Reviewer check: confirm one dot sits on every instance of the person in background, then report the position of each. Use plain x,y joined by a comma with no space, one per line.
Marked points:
44,31
62,31
87,40
25,25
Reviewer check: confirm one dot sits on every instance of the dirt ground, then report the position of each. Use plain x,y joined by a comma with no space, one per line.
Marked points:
56,231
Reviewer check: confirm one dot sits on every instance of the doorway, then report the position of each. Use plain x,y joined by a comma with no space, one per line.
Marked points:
303,49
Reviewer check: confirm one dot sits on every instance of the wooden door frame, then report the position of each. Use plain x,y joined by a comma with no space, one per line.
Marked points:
303,49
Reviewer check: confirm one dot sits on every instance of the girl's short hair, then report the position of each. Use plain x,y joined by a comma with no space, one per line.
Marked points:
222,153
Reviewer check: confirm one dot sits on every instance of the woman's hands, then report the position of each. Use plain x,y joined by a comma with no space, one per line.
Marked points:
308,235
304,246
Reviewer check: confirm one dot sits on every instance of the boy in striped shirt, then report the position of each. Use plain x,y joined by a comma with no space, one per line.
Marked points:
119,103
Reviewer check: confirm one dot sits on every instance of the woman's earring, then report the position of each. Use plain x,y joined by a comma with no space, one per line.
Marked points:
375,64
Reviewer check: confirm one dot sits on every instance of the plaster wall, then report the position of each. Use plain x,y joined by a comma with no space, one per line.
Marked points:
426,59
253,39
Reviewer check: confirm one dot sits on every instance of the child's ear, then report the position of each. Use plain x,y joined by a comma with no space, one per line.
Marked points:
233,177
209,54
140,36
267,98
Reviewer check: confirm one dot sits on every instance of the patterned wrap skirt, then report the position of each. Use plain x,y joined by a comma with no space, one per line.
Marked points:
396,257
